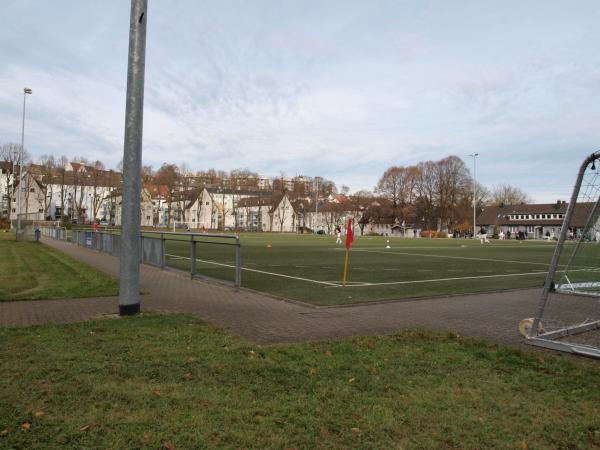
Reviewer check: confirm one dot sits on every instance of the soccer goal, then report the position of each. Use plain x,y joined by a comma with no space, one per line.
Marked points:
187,226
568,314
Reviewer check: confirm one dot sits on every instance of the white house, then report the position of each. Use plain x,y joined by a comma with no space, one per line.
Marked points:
32,201
267,213
114,202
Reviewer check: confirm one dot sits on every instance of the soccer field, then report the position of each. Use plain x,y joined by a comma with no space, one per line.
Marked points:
310,268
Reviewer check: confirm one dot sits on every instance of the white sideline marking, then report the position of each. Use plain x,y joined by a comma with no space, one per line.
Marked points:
475,277
444,279
451,257
258,271
361,284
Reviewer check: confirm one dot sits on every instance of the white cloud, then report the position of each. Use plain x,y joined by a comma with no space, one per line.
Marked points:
340,89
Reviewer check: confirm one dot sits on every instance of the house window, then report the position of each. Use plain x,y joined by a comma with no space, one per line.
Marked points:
14,210
206,203
537,216
32,190
40,210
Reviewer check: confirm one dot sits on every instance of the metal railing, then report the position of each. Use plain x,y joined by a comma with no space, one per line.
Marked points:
58,233
154,250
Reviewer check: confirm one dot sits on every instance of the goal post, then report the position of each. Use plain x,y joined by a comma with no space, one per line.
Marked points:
568,312
187,226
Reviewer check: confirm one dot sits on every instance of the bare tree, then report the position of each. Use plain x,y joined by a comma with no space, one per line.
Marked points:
168,176
98,180
48,168
453,180
505,194
11,153
61,179
426,185
186,181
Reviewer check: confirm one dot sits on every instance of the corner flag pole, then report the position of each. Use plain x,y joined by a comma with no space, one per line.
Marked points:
346,265
349,240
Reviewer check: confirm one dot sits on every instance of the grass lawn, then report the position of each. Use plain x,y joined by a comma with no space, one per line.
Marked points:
145,381
310,268
31,271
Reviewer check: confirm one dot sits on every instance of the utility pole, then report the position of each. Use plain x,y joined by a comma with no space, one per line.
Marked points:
129,287
21,154
474,156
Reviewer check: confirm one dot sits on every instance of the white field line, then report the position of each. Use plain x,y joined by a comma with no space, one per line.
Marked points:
471,258
256,270
338,284
474,277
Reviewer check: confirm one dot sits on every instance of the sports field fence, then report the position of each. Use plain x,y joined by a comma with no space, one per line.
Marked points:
213,257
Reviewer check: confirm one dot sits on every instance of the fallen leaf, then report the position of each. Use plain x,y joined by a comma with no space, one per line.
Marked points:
39,413
26,425
355,430
328,353
188,376
352,380
169,445
84,428
156,392
312,371
147,435
3,433
524,445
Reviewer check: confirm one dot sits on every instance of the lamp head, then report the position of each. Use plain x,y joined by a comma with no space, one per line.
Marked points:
27,91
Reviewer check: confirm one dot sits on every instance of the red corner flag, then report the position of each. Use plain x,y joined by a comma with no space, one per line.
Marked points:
349,234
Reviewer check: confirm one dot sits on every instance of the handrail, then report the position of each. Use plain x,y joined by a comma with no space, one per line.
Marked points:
108,241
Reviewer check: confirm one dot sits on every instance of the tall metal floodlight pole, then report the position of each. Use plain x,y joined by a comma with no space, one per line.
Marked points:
129,288
474,156
21,154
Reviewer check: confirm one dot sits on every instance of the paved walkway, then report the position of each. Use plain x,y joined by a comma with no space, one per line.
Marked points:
264,319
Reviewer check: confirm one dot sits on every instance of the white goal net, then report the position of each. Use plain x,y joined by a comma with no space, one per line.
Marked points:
568,315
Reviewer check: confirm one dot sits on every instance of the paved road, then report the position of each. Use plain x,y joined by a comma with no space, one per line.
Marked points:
266,320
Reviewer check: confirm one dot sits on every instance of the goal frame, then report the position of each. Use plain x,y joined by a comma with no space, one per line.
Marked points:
536,335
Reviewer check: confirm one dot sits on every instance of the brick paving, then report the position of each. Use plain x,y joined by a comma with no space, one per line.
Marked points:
265,320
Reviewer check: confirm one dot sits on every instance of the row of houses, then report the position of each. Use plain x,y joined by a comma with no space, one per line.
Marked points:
85,194
534,221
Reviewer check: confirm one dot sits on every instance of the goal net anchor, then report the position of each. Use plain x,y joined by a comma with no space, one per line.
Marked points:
569,305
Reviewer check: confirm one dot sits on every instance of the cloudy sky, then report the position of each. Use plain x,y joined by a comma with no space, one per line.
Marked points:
341,89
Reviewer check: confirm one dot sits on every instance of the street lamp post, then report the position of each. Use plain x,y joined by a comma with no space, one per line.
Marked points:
474,156
25,92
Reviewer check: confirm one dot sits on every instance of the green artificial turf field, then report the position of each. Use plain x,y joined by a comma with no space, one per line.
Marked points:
310,268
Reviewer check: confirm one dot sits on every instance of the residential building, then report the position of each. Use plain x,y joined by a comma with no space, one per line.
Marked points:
533,221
